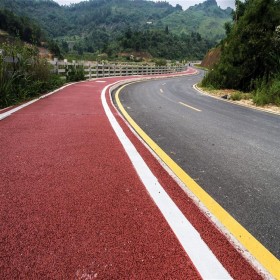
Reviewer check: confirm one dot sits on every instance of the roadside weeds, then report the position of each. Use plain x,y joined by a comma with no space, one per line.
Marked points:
239,98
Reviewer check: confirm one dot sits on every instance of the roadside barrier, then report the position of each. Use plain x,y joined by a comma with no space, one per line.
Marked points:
97,70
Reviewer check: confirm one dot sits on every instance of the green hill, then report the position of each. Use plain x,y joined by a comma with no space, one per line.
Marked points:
100,25
206,18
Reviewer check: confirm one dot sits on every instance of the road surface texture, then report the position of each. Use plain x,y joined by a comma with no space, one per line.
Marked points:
231,151
73,207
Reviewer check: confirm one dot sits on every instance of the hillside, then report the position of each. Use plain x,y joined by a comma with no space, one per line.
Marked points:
211,58
116,15
206,18
100,25
250,57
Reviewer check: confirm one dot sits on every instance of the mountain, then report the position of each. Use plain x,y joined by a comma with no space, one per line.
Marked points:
100,25
206,18
115,15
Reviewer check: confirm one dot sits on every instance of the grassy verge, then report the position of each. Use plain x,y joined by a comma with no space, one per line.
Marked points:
200,67
247,99
230,94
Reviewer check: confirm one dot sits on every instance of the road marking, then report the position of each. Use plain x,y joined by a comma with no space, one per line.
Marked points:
10,112
161,90
1,110
202,257
184,104
254,247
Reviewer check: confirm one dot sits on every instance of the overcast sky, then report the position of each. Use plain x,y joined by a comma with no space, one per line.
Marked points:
184,3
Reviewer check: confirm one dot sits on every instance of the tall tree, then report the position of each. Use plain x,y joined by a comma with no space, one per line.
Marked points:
249,51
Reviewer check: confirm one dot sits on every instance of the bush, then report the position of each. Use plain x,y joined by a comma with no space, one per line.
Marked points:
27,76
75,73
267,92
160,62
236,96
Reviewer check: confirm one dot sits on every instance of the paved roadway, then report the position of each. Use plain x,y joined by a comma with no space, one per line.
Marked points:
73,207
231,151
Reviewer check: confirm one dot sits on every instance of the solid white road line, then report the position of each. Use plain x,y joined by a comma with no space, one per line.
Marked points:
202,257
10,112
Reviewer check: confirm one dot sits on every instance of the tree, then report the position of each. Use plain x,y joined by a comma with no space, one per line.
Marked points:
179,7
248,53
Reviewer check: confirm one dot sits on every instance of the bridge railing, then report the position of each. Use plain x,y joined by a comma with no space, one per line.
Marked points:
97,70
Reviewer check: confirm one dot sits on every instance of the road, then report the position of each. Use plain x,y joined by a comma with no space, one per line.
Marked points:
232,152
81,197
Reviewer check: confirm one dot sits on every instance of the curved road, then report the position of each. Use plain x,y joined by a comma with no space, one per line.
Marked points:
232,152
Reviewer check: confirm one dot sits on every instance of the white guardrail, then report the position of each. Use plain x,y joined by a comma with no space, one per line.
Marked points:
96,70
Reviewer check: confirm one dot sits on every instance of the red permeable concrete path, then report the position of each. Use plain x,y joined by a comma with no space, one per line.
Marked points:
73,207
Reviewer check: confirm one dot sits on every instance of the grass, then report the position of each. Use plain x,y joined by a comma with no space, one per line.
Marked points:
26,78
231,94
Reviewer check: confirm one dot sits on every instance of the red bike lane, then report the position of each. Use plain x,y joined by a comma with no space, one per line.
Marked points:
73,207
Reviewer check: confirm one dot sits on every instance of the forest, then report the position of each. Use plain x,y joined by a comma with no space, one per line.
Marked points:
21,27
111,27
250,53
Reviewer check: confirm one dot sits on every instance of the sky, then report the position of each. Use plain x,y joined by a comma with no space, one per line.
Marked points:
184,3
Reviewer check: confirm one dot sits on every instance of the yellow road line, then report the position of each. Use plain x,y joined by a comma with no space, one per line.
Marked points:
184,104
257,250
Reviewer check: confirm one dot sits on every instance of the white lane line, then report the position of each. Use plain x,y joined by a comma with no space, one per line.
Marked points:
5,108
202,257
100,81
186,105
161,90
10,112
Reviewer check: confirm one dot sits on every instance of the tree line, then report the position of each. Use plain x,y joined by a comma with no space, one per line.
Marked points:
250,58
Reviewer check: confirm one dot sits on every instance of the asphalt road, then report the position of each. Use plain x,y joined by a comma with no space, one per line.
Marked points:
231,151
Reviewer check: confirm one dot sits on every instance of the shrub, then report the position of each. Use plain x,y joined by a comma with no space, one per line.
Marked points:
267,92
75,73
27,76
236,96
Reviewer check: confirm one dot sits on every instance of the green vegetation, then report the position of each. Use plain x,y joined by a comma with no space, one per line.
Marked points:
268,92
99,26
25,76
250,58
75,73
205,18
21,27
161,44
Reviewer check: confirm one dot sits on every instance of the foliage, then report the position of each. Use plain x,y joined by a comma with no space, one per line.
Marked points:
236,96
21,27
251,51
75,73
206,18
96,25
26,76
160,62
268,92
161,44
